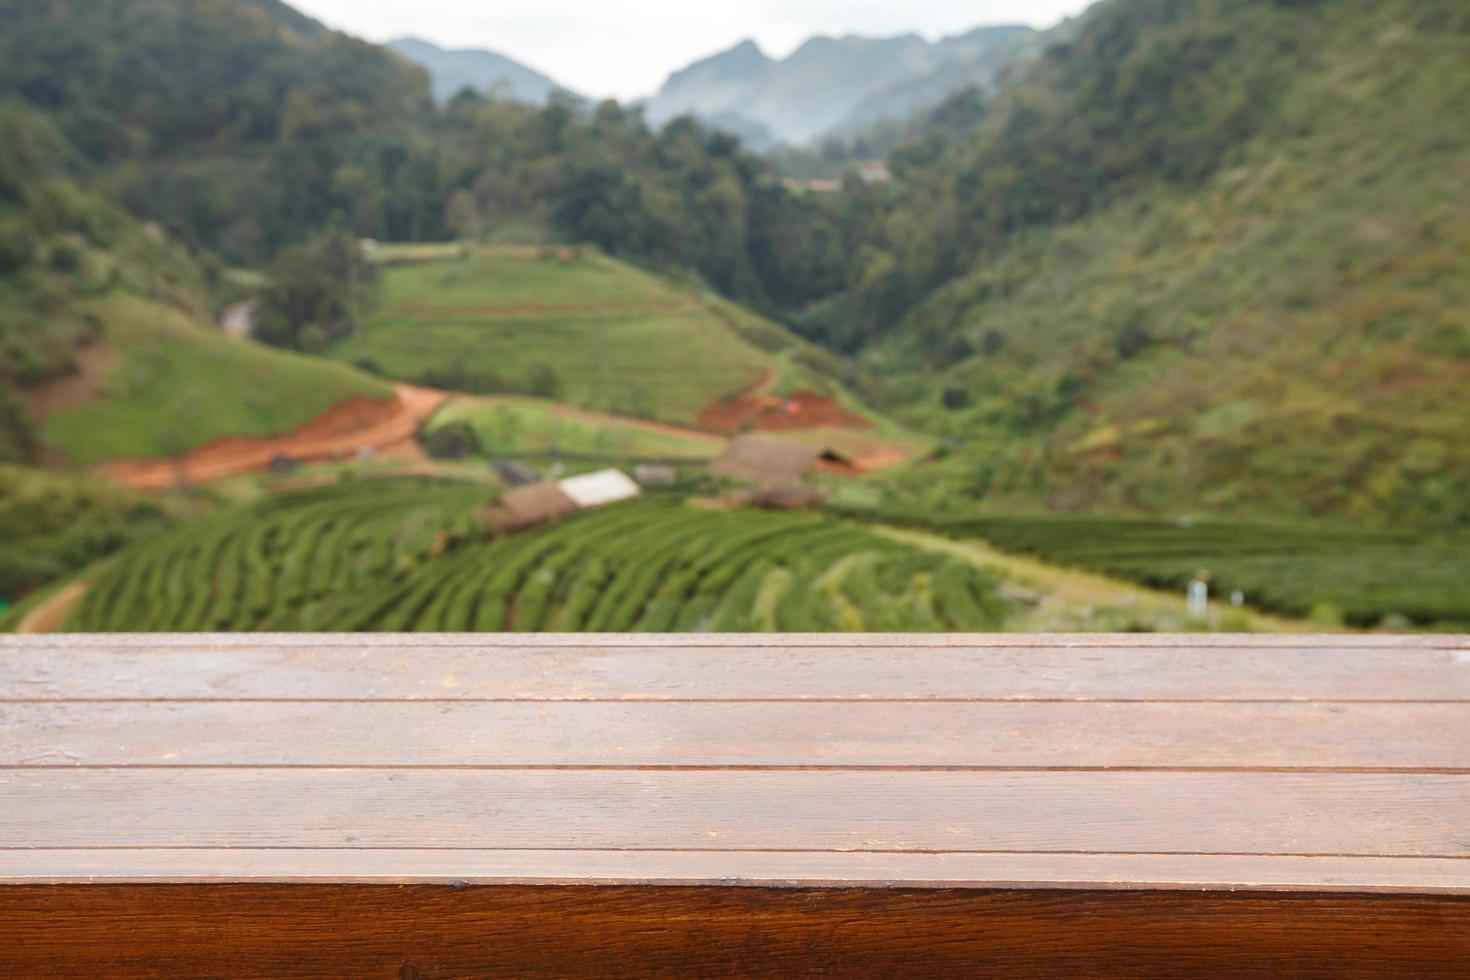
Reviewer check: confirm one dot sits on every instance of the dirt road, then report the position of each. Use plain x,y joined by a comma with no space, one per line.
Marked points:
52,612
382,426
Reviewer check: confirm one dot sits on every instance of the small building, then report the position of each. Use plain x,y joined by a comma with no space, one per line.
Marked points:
600,489
238,320
650,475
767,461
282,463
527,507
515,474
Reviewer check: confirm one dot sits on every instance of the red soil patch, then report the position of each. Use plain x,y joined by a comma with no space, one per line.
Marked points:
770,413
358,424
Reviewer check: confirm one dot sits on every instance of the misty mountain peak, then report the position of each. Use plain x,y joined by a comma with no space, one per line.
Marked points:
829,81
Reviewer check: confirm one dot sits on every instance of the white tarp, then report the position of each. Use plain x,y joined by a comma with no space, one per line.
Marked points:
600,489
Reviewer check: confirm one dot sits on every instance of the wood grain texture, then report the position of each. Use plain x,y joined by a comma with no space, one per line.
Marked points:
712,868
1365,737
419,806
424,931
747,641
1097,812
491,669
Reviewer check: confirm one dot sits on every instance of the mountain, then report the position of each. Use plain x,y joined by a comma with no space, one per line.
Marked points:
453,71
241,128
1207,256
240,125
975,60
828,83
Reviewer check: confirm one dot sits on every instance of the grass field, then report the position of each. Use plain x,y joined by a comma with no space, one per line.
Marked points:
1348,577
180,384
516,425
572,325
405,555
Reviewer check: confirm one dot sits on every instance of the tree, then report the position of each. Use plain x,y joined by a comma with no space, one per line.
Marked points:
317,292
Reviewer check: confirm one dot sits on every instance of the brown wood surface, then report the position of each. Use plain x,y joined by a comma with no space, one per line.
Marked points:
747,641
373,668
424,932
1094,812
808,869
462,805
1088,735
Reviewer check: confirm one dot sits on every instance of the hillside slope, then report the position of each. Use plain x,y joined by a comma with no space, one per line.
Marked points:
106,333
239,124
1246,290
575,325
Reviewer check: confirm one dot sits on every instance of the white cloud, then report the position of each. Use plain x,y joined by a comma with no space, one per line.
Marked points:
626,49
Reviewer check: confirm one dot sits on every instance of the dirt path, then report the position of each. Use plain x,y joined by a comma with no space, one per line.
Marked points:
51,613
1068,597
384,427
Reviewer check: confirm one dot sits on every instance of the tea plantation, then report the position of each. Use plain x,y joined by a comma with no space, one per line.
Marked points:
1356,578
394,555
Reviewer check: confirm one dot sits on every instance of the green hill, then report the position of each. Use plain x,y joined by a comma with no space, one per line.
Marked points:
574,325
240,124
1210,256
106,330
178,383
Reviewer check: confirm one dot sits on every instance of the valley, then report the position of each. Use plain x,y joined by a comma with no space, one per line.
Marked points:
1173,293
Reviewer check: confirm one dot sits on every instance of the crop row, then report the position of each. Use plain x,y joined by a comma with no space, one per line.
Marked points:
1362,578
406,555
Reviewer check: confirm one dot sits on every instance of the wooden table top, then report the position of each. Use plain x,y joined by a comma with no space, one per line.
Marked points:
1263,763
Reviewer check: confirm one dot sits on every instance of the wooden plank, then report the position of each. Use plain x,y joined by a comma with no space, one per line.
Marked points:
783,641
786,869
504,669
418,932
1372,737
1101,812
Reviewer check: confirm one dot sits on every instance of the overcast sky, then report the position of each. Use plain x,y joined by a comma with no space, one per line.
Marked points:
625,48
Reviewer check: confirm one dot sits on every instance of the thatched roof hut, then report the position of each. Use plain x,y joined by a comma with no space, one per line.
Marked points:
528,506
766,460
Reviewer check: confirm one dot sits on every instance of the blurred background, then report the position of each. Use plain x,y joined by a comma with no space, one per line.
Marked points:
1131,315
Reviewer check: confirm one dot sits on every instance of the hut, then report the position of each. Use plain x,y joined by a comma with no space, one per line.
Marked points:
526,507
514,474
768,461
655,475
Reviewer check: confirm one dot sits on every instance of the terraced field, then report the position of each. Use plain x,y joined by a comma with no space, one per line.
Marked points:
572,325
1357,578
405,555
524,427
